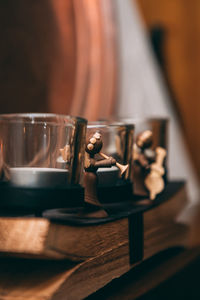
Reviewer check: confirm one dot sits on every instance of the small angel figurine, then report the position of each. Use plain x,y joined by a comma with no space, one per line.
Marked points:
93,146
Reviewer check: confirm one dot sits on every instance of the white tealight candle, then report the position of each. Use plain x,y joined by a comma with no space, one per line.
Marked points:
38,177
108,176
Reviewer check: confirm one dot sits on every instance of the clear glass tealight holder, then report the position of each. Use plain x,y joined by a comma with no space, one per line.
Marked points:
117,140
108,158
42,150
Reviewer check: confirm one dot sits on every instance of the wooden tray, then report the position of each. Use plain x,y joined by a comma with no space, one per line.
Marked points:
97,253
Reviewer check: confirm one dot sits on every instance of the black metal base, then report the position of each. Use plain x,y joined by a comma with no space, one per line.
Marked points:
112,194
19,199
127,207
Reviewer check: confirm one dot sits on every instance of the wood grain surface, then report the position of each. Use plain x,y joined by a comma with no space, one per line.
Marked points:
151,274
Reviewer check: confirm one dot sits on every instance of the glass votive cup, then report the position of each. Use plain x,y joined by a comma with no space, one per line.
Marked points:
42,150
109,157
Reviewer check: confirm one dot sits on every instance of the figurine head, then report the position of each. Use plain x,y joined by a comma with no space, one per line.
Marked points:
94,143
144,139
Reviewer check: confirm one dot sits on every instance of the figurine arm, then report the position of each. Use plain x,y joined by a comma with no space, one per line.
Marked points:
143,162
105,163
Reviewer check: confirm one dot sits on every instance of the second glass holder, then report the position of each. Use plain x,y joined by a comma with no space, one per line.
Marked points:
108,160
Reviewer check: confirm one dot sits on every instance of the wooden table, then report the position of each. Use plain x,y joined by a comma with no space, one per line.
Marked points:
173,274
38,280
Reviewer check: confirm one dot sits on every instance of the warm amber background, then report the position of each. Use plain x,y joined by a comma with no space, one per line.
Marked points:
36,66
58,56
181,22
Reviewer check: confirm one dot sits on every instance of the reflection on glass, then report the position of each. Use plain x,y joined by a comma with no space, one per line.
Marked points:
117,142
42,150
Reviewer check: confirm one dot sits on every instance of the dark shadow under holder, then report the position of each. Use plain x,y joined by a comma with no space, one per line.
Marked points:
22,200
18,200
115,193
116,210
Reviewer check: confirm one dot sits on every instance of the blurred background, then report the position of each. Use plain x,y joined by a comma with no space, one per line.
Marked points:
103,58
174,27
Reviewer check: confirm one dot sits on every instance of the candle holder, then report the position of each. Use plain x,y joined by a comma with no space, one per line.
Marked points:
41,160
107,162
149,172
